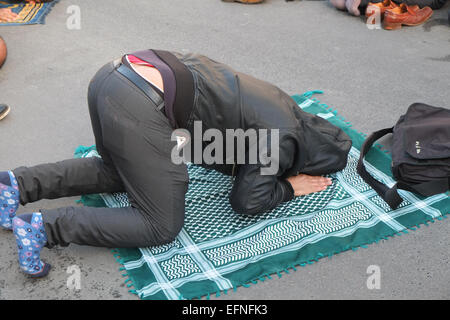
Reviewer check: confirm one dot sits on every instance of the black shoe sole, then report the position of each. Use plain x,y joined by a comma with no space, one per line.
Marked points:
5,112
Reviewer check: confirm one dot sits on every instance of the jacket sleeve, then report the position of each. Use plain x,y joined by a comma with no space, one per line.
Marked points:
253,193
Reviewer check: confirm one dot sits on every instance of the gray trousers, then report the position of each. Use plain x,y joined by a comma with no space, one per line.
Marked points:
134,141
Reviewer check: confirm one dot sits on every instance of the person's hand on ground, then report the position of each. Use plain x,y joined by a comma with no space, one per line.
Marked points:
304,184
6,15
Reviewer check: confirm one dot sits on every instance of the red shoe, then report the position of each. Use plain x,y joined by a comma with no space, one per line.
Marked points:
3,51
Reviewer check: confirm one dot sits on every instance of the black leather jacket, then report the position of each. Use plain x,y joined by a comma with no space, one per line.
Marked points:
227,99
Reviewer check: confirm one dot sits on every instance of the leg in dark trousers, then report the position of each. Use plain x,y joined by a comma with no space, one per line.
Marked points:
134,140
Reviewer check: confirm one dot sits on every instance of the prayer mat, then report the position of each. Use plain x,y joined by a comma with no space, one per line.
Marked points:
28,13
219,250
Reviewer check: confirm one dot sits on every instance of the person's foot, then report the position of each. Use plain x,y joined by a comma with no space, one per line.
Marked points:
9,199
304,184
245,1
31,238
6,15
338,4
352,7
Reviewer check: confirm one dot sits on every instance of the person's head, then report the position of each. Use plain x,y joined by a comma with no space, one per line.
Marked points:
3,51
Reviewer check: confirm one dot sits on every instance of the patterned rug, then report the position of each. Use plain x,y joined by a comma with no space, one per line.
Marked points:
219,250
28,13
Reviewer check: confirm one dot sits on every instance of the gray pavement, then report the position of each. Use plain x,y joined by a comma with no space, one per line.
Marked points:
370,76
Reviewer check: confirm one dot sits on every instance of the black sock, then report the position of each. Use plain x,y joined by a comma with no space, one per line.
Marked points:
4,178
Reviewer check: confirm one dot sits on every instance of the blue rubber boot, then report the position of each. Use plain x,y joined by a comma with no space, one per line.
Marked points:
9,199
31,238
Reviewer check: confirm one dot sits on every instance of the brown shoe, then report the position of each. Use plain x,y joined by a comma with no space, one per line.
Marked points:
404,15
382,6
245,1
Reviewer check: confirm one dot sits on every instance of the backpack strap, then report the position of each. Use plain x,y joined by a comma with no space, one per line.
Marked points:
390,195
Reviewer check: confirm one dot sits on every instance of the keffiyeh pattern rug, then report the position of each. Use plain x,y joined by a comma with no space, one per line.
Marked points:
219,250
28,13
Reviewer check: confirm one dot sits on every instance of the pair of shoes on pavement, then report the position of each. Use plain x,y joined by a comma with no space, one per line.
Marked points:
397,15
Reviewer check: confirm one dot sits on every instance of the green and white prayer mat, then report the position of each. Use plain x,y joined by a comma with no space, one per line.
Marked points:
219,250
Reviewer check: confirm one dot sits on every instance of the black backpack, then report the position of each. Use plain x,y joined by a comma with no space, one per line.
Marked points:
420,154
